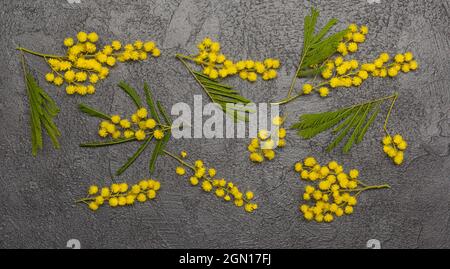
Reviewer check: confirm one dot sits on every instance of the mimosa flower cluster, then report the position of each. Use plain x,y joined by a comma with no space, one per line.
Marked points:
342,72
120,194
215,64
139,126
207,179
263,147
335,193
394,147
85,64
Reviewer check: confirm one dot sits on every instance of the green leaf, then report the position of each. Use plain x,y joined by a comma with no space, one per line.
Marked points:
357,129
353,121
93,112
151,103
220,93
344,132
310,132
163,113
135,156
132,93
159,147
317,47
42,111
346,122
368,124
107,143
325,30
309,72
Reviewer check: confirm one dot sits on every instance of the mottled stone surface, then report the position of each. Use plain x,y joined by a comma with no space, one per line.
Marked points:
37,194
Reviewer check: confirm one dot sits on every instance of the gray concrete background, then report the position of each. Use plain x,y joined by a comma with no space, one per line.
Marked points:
37,194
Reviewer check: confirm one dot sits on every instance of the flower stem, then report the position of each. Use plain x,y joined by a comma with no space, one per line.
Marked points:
395,96
287,100
178,159
180,57
376,187
40,54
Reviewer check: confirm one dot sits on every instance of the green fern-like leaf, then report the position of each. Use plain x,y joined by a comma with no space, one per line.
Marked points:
222,94
157,112
352,122
93,112
317,47
107,143
42,111
132,93
151,103
135,156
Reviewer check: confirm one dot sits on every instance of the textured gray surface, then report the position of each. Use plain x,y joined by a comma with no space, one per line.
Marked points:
37,194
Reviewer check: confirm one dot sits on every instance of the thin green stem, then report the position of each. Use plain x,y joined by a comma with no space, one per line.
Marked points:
191,59
385,186
294,79
179,56
395,96
179,159
40,54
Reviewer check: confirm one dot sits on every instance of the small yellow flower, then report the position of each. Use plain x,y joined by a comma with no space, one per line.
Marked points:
353,28
397,139
307,88
392,72
115,188
130,199
399,58
50,77
68,42
115,119
352,47
141,197
150,123
156,52
353,173
93,190
116,45
158,134
142,113
93,206
113,202
123,187
180,171
58,81
323,91
206,186
310,161
364,30
140,135
151,194
92,37
256,157
105,192
348,210
359,38
82,37
238,202
263,134
193,181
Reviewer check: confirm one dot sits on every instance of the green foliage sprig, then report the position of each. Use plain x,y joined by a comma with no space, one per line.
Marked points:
222,94
352,122
317,47
43,110
157,112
